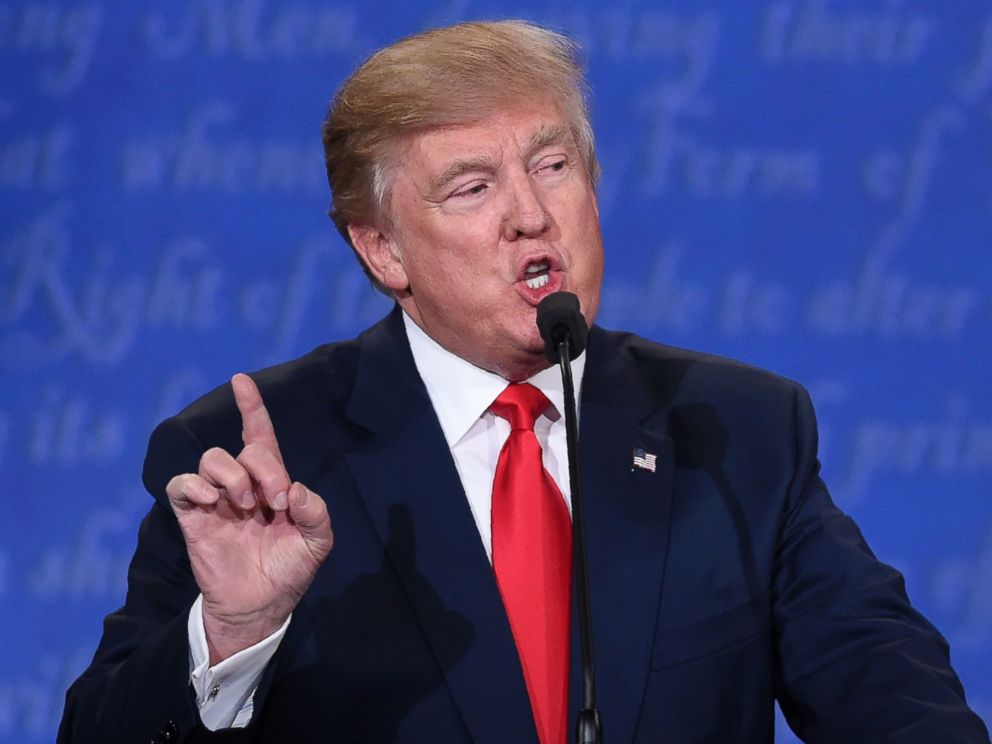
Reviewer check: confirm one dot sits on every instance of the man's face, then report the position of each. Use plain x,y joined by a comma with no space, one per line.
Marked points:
487,219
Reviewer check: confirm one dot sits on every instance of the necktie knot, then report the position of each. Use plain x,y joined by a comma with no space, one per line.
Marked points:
520,404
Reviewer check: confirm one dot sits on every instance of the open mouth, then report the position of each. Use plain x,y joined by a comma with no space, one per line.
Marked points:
537,275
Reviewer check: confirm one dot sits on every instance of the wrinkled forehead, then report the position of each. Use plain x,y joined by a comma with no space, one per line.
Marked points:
520,131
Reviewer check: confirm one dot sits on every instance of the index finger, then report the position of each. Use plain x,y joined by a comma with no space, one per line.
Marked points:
256,426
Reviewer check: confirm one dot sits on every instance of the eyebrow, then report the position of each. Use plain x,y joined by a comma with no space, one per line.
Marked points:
546,136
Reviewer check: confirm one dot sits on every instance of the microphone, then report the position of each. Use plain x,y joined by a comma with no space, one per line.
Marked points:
558,317
564,331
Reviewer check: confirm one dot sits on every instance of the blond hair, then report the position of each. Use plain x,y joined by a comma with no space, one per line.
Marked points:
445,76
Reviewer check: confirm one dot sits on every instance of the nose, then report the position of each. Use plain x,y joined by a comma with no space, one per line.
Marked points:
526,215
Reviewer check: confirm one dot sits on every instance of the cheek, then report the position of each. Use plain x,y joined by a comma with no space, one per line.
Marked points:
468,262
587,244
453,279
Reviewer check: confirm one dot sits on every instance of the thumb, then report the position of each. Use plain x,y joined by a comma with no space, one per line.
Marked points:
309,512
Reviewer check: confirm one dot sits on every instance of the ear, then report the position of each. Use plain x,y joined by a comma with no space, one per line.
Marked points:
380,254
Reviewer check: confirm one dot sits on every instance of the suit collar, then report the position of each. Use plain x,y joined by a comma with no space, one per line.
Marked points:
461,392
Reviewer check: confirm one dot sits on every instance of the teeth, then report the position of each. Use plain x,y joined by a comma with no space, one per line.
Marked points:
537,282
537,268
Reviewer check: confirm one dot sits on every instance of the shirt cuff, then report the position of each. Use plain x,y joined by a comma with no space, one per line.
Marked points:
225,692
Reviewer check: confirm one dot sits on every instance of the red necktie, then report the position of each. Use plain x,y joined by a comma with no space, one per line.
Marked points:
532,558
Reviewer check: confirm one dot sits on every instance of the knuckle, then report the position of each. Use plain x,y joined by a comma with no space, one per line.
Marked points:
214,457
182,493
253,452
274,481
263,465
227,472
176,486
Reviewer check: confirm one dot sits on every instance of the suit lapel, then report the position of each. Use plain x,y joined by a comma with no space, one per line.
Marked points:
627,517
411,490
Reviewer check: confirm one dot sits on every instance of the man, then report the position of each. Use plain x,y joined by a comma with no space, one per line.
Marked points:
462,169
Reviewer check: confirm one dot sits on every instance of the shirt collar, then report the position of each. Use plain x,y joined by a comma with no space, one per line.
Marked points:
462,393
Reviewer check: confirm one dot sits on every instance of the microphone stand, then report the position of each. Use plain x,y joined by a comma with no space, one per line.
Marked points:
588,727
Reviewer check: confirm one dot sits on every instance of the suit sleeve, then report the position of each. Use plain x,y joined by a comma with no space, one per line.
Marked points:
855,661
137,687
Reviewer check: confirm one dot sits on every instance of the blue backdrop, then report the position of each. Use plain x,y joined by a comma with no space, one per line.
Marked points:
802,184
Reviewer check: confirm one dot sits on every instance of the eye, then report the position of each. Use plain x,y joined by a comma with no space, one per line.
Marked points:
473,189
553,165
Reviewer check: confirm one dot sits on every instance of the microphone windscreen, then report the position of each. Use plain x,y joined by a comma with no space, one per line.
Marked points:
558,317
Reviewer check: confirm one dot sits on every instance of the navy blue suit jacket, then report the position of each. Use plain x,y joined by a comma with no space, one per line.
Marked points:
723,580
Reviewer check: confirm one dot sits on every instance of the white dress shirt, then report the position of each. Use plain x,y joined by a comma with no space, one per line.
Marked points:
461,394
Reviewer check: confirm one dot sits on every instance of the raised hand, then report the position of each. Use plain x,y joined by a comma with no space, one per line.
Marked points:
255,539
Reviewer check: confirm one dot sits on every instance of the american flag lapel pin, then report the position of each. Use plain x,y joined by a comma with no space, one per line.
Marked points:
644,460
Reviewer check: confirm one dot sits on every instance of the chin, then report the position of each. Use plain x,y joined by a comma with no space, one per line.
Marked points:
531,341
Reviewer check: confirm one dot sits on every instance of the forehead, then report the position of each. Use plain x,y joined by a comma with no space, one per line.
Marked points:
517,130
